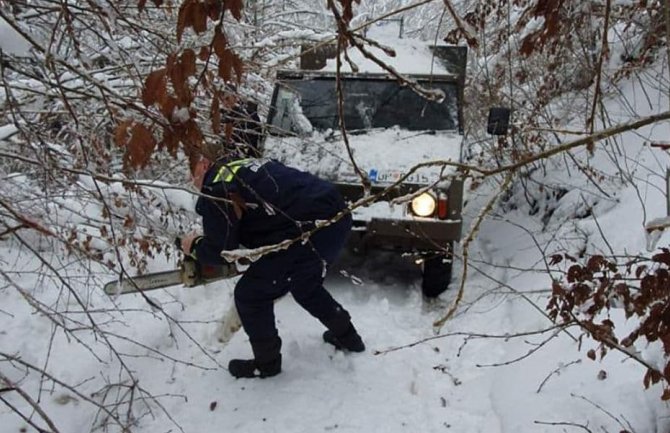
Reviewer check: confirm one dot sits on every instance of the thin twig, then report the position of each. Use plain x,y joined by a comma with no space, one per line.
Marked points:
468,335
31,402
562,424
469,238
604,53
557,371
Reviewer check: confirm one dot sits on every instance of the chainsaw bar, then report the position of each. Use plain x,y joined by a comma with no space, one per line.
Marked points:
143,283
190,274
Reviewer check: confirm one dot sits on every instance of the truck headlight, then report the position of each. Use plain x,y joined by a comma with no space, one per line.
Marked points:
424,205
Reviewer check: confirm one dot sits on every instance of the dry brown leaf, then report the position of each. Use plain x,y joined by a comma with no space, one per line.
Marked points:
140,147
168,106
203,55
184,18
219,43
170,62
193,135
121,133
229,63
235,8
199,17
170,141
214,9
188,62
216,115
155,87
178,80
225,68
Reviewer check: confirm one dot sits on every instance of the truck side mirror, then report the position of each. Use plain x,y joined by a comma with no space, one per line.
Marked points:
498,122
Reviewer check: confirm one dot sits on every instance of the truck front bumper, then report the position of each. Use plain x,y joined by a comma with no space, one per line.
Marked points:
403,232
407,235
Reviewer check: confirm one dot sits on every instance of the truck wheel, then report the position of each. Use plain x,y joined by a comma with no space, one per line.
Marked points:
436,276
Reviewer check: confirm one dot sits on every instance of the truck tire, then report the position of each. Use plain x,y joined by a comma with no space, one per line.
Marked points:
436,276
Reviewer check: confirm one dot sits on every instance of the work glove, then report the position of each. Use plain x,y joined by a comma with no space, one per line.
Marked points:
187,243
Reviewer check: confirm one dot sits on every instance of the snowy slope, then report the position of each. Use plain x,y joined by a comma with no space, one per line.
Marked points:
439,385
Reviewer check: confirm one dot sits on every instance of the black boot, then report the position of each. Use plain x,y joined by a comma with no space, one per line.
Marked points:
266,362
341,332
349,341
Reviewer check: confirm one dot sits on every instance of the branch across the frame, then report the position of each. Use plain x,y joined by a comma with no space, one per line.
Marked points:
35,405
461,25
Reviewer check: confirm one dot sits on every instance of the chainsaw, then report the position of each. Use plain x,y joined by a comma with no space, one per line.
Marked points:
190,273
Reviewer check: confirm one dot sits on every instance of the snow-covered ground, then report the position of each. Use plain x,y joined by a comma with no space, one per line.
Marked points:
455,381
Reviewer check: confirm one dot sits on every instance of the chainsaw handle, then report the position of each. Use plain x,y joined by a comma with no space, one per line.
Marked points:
190,271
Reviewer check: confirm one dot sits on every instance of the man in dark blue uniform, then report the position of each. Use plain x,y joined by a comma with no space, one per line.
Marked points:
260,202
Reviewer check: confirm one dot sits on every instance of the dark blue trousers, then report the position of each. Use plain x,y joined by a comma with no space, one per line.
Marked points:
300,269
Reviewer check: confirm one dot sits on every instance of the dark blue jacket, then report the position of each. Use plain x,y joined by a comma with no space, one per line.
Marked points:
276,203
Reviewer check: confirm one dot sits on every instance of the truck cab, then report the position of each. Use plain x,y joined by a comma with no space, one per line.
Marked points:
390,129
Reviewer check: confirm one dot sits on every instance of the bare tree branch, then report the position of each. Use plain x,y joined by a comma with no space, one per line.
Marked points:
36,407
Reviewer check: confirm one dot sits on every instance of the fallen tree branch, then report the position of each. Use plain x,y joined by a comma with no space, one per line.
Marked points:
468,335
36,407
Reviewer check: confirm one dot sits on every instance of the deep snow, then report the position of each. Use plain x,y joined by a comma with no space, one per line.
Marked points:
444,384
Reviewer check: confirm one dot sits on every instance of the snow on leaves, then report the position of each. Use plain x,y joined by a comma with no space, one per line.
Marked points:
229,62
639,287
551,12
171,91
194,14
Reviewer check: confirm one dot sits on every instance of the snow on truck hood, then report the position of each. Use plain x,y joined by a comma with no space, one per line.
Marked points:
384,154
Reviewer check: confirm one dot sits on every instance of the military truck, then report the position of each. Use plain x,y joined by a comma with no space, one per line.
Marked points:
390,128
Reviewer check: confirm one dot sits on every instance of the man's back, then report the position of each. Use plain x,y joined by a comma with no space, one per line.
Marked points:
280,202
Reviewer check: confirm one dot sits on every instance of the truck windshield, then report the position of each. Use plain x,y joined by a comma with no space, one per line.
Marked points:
304,104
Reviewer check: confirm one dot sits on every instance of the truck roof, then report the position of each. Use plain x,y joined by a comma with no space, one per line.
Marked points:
412,57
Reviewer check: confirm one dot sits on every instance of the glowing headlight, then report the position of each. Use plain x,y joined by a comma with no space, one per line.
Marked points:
424,205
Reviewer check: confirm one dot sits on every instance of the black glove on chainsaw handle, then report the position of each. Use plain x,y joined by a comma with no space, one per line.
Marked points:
193,272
